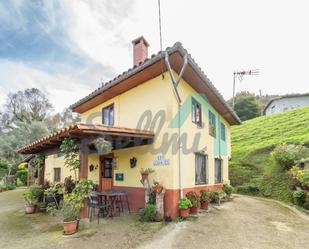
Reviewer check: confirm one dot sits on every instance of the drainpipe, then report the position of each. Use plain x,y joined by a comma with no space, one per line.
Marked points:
175,85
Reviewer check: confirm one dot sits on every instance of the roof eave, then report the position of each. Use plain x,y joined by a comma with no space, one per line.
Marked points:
148,62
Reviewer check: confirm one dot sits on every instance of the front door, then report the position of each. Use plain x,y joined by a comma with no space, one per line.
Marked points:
106,164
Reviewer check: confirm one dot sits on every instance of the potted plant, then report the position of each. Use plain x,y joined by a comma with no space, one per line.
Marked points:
194,199
145,172
184,207
216,196
205,197
32,196
70,210
72,205
228,189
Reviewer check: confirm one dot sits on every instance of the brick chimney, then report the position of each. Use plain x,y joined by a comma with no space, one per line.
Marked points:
140,50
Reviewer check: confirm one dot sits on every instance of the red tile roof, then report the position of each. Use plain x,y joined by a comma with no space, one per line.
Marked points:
54,139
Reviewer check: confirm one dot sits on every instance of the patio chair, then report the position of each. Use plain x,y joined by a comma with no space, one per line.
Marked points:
94,203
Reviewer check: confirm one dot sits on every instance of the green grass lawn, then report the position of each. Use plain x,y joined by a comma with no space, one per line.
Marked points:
252,143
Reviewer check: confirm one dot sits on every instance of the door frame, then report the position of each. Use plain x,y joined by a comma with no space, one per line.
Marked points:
101,164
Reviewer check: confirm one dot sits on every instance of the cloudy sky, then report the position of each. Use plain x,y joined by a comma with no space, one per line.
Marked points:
67,48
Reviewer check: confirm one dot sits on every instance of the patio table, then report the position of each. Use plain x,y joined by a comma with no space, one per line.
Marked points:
111,197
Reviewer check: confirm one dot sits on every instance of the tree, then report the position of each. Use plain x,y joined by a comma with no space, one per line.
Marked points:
24,106
246,106
61,120
22,134
26,117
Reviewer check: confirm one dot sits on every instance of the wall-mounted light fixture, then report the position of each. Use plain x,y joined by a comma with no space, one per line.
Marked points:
93,167
133,162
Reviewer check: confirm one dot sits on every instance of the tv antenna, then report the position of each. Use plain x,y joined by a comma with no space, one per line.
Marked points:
240,75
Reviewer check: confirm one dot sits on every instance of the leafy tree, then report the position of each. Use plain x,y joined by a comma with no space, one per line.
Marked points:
24,106
4,168
246,106
26,117
23,133
61,120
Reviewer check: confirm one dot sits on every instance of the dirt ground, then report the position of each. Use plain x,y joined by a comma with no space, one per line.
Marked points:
244,223
42,231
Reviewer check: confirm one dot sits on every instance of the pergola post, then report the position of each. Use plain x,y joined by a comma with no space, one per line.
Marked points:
83,170
42,173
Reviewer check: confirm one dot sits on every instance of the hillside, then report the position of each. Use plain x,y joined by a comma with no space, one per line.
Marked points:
252,169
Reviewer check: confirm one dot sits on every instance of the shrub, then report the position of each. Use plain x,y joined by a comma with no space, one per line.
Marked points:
22,175
299,197
248,189
194,198
306,204
149,213
205,196
228,189
8,186
299,177
184,203
286,155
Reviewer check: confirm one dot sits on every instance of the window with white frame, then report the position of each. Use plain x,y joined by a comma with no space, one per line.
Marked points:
212,124
196,112
218,170
200,168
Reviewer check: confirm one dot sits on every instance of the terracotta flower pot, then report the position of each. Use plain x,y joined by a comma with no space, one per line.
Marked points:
204,205
70,227
145,176
193,210
30,209
184,213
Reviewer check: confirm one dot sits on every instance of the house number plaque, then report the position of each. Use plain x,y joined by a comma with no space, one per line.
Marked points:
161,161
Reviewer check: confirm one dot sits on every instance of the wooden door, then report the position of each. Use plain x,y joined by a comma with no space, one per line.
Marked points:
106,165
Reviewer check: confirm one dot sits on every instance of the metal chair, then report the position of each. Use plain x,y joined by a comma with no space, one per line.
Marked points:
94,203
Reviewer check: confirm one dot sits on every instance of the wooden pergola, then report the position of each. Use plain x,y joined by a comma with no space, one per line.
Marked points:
85,135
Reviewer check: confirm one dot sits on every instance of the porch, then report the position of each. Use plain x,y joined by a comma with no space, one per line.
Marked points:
103,170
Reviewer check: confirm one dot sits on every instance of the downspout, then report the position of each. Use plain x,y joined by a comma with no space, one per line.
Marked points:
175,85
219,135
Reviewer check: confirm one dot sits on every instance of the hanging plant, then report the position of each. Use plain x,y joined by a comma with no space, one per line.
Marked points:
37,161
103,146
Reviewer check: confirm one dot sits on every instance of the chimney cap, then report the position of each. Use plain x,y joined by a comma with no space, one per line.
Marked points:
139,39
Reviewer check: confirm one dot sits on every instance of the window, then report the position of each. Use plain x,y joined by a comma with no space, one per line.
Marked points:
222,130
218,170
196,112
212,124
108,115
108,168
200,168
57,174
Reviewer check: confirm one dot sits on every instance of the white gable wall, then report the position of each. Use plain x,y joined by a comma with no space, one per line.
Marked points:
285,104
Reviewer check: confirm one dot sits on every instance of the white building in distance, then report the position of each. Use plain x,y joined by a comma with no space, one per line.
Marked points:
286,103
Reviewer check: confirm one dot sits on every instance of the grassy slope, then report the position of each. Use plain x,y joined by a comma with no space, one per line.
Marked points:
252,143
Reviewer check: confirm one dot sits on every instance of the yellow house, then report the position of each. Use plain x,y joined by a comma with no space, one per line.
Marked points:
179,129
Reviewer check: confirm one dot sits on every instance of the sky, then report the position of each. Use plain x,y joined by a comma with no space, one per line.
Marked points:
68,48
